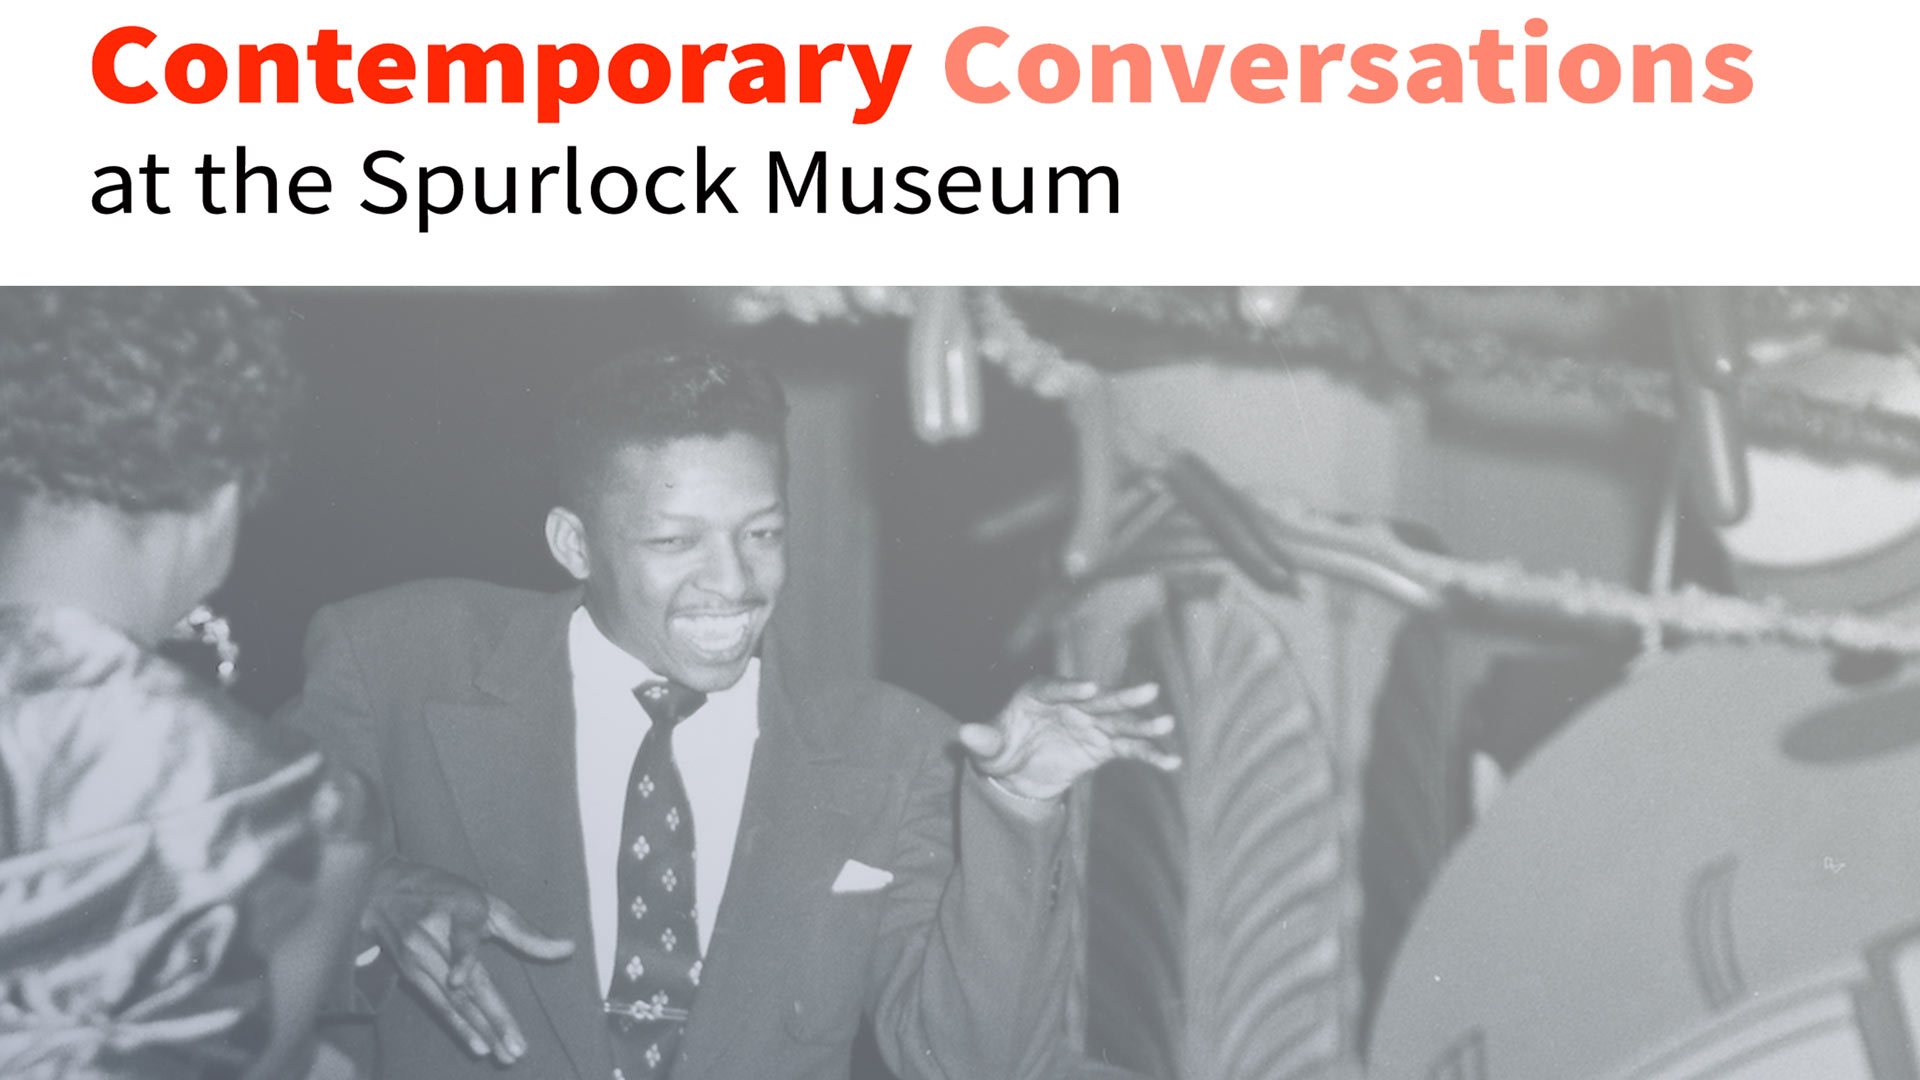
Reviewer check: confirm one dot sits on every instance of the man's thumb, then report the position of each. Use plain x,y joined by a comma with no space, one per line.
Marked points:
505,925
983,741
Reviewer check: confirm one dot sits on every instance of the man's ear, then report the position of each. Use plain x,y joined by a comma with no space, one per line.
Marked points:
567,541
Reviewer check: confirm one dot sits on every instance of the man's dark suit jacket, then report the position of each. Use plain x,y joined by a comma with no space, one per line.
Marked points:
457,697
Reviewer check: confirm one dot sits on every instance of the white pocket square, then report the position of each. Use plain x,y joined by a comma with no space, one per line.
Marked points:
858,877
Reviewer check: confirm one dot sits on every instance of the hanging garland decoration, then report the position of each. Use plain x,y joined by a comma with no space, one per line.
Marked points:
1320,331
1276,316
1033,365
1688,613
1774,415
820,303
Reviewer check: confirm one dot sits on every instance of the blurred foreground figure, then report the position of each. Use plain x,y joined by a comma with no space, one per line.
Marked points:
176,878
1712,872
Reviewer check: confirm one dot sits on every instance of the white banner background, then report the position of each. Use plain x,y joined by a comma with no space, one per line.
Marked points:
1808,180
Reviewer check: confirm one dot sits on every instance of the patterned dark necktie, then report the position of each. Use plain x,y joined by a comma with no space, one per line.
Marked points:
656,965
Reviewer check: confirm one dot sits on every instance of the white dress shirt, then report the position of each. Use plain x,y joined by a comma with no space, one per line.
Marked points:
713,747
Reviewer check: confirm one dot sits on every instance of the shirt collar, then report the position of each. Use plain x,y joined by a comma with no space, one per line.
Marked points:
596,659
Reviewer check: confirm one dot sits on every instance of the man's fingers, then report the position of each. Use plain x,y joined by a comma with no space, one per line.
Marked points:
1133,727
1127,700
983,741
463,949
429,965
508,1043
1062,691
425,970
1141,750
493,1041
441,1005
509,928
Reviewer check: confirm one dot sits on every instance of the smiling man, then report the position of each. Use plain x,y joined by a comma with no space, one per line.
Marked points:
735,866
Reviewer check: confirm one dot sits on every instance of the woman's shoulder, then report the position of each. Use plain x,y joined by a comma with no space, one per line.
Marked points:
103,733
164,835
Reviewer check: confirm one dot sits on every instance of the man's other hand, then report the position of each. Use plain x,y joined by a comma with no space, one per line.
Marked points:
430,923
1052,733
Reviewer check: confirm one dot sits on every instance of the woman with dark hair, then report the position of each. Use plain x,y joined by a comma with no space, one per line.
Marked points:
177,878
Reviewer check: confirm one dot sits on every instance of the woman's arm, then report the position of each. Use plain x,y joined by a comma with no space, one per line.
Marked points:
311,956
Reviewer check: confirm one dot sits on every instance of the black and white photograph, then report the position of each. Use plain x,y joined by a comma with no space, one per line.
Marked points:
960,683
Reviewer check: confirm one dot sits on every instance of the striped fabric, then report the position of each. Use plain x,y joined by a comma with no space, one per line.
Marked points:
1225,899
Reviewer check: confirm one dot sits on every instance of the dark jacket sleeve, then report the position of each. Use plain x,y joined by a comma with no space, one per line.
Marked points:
334,708
976,947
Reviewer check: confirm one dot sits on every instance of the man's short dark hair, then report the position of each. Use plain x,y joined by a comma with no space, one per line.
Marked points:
654,400
141,399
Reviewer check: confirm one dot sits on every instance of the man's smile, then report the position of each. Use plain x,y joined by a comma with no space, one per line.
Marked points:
716,635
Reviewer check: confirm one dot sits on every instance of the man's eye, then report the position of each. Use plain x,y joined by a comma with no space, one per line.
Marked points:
768,535
670,543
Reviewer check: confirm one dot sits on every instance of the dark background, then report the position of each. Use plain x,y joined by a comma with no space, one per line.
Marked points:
420,453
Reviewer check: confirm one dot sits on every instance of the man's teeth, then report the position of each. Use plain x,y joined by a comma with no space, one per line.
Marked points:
716,633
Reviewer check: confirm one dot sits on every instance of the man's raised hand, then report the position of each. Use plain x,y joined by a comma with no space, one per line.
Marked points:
1054,732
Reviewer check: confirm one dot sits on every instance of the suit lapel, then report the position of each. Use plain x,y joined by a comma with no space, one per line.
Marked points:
806,806
510,764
